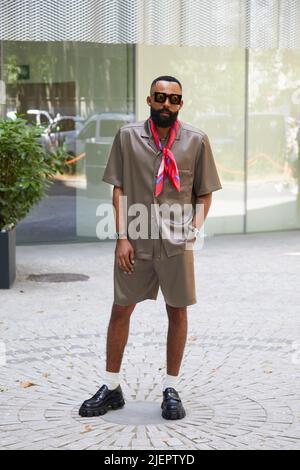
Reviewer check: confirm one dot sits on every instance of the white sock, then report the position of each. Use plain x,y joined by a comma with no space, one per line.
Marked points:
171,381
111,379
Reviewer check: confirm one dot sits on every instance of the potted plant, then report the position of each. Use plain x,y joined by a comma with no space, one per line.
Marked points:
26,171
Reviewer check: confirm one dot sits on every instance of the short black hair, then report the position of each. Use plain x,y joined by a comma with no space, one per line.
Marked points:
165,78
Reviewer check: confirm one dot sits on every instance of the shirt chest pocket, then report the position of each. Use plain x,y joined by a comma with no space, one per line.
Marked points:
171,195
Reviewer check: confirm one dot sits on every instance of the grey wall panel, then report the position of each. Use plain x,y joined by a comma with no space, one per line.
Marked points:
220,23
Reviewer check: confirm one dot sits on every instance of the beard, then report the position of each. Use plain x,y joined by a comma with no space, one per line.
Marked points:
163,121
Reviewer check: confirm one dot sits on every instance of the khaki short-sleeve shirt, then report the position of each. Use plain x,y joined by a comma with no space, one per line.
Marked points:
133,164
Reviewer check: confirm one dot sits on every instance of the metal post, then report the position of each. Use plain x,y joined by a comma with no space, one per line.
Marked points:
246,134
2,84
247,13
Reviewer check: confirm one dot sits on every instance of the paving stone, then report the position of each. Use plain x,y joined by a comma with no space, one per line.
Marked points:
239,381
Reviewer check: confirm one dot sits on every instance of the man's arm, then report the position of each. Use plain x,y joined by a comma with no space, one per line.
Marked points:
119,213
201,215
206,180
124,249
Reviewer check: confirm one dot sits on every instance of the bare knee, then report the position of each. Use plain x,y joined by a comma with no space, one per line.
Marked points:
177,314
121,312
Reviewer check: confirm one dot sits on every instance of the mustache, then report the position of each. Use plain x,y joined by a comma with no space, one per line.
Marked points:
165,111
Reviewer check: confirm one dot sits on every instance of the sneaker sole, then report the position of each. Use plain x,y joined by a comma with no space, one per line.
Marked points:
84,413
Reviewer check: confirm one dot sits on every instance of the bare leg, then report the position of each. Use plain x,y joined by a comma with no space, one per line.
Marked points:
117,336
177,335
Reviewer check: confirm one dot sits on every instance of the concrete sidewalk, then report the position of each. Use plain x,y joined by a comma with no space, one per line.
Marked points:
240,380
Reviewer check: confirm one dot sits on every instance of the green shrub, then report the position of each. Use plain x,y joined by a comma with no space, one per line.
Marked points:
26,170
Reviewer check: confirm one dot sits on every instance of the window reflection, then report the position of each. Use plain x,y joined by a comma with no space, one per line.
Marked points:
80,94
273,150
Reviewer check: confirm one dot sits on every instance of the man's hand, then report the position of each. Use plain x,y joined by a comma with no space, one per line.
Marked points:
125,255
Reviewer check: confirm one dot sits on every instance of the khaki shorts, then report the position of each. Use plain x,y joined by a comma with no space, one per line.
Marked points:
175,276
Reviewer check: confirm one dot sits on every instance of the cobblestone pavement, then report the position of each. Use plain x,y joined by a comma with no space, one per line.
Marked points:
240,377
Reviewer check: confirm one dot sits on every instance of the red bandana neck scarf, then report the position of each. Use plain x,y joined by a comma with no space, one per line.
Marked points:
168,166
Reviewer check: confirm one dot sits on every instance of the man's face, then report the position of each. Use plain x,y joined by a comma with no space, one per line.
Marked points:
164,114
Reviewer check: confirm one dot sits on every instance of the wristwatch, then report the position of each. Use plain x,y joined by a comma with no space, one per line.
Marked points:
120,235
195,230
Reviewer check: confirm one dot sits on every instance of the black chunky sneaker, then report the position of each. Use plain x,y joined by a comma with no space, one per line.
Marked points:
172,406
102,402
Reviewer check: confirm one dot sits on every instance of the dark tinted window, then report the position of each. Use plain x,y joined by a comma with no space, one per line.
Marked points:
66,125
44,121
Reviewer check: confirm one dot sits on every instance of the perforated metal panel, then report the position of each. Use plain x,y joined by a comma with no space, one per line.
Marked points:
222,23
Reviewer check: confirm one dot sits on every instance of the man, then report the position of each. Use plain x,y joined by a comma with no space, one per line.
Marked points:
159,162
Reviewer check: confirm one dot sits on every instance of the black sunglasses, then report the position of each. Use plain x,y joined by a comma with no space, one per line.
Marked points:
161,97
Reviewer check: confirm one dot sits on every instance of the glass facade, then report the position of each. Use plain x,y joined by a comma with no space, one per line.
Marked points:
246,100
214,100
81,93
273,171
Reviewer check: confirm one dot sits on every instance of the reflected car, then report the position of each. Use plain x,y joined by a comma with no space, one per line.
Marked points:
103,127
42,118
34,116
64,131
97,136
